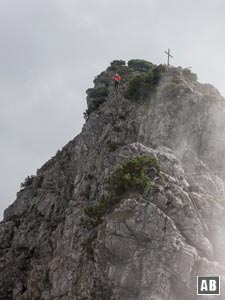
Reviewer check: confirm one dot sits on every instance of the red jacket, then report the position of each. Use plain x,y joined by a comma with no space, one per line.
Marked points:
117,78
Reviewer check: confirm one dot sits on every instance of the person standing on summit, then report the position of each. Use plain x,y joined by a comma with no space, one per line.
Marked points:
117,80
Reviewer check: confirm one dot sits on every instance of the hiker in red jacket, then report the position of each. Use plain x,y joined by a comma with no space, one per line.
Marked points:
117,80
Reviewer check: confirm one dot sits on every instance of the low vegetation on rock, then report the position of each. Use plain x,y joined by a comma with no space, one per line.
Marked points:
140,77
117,63
140,65
99,96
130,176
28,181
142,85
96,213
119,66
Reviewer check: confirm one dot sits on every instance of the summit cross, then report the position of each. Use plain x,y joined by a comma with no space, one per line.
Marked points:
169,55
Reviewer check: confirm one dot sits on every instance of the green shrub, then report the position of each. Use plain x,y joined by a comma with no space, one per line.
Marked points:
141,86
92,108
140,65
86,114
153,163
153,77
28,181
99,96
135,87
123,71
96,212
128,176
116,63
99,92
119,66
131,176
106,82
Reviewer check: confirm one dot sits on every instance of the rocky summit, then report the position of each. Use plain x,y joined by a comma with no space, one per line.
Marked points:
133,208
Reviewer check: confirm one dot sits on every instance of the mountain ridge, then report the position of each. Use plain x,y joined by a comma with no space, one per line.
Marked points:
150,245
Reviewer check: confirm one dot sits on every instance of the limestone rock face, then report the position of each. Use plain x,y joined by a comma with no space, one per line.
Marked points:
150,246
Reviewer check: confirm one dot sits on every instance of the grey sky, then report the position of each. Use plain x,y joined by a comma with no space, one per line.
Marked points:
52,49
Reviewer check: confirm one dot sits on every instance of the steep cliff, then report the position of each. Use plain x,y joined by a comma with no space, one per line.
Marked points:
70,235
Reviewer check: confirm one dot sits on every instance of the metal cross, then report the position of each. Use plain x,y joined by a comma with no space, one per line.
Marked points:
169,55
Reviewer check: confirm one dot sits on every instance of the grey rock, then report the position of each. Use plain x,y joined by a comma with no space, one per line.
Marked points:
150,246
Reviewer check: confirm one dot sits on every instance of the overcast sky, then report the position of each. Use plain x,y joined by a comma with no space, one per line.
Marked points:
50,51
